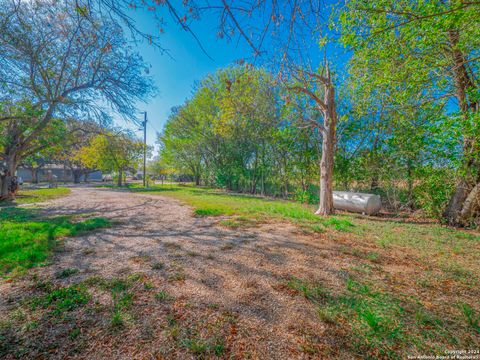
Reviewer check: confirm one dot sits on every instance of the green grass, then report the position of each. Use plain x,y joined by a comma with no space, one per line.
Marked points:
65,273
471,316
425,238
122,292
455,252
380,324
201,347
158,265
163,296
39,195
28,238
63,299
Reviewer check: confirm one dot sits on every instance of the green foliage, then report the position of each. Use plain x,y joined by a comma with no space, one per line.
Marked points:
64,299
164,296
234,133
81,69
414,80
28,238
433,192
471,316
116,152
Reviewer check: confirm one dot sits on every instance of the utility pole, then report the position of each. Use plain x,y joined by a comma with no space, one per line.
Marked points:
144,148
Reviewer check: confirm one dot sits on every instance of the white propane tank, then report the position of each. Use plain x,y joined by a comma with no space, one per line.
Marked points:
357,202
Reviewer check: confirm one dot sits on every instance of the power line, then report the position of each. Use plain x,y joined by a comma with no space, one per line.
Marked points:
154,128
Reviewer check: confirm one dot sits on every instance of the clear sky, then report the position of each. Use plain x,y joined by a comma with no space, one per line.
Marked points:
176,74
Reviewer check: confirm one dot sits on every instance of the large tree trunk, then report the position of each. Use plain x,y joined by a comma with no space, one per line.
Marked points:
464,204
471,207
410,201
120,176
326,170
34,172
328,150
6,191
77,174
466,184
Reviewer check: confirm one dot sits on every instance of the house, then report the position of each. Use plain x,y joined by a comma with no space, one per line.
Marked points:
62,173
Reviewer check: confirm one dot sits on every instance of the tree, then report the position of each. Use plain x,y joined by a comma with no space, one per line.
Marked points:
426,51
41,148
157,168
240,134
68,61
308,83
112,151
181,141
222,135
78,135
278,31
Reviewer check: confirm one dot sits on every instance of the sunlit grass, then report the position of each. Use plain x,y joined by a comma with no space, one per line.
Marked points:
39,195
27,238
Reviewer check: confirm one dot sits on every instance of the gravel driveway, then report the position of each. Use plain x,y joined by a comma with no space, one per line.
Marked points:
211,271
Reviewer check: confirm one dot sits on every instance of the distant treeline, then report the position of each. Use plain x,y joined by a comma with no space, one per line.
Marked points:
242,132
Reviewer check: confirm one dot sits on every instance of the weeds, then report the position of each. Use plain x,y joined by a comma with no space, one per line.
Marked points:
208,212
163,296
177,276
313,293
376,323
158,266
148,286
197,346
74,333
471,316
312,228
366,255
63,299
238,222
65,273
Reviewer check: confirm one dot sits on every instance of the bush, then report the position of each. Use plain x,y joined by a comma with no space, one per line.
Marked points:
434,191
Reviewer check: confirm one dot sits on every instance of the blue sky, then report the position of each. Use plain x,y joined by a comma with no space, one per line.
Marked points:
176,74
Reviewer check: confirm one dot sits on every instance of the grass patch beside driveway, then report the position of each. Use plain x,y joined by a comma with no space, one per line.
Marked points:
27,238
30,196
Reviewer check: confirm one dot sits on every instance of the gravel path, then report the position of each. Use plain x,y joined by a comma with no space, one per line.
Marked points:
239,272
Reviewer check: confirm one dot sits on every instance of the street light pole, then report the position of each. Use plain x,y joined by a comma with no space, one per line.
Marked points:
144,148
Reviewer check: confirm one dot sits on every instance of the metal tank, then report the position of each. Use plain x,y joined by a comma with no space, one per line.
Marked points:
368,204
